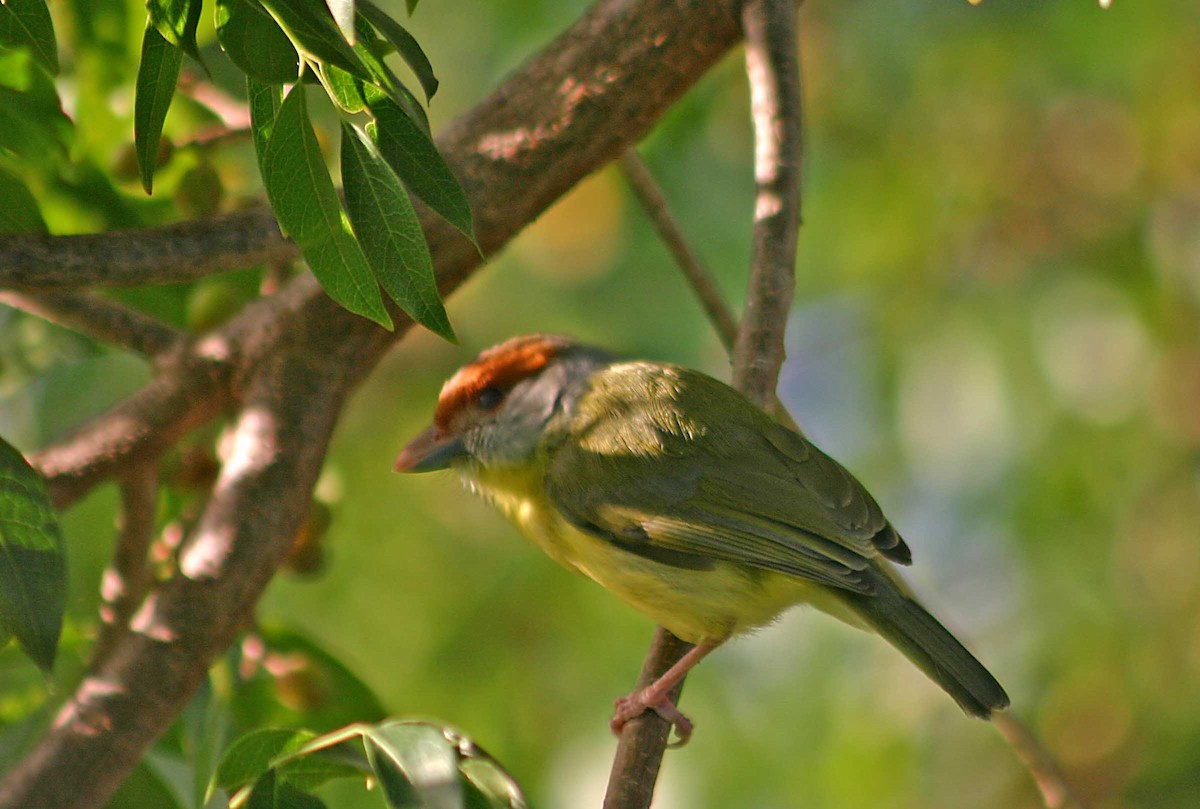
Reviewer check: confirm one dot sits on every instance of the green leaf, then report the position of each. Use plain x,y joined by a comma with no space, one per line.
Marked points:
485,775
255,42
144,787
157,75
33,570
390,232
415,159
270,792
343,15
411,5
253,754
306,204
397,789
343,89
177,21
265,101
404,43
27,23
33,127
416,764
20,212
312,30
387,85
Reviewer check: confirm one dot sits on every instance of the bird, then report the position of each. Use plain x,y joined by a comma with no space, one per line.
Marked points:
684,499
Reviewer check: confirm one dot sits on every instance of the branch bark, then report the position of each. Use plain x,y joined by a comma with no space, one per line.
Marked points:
102,319
185,251
288,362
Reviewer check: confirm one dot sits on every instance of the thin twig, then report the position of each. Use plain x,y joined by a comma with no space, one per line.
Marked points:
772,65
698,275
1057,792
100,318
127,578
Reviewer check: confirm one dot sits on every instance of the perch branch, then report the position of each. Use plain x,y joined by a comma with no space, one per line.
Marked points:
774,72
772,65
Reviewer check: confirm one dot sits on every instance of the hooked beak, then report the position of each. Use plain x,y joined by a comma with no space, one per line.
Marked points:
429,452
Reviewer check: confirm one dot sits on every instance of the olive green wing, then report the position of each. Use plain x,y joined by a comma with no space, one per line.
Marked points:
646,467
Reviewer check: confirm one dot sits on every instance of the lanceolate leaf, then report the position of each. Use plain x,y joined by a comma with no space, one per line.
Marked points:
253,754
265,101
415,763
157,75
390,233
343,89
255,42
306,204
413,157
405,45
312,30
33,571
20,212
27,23
177,20
271,792
387,84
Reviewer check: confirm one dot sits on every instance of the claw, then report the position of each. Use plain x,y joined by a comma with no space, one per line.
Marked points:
635,704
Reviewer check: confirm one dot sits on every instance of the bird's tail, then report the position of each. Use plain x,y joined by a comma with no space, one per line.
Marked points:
922,639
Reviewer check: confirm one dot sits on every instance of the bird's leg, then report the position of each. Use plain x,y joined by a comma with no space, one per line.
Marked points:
657,696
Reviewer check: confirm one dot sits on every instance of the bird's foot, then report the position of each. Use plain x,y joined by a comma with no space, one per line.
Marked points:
635,704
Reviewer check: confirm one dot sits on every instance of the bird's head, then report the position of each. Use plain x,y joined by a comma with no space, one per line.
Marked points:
497,410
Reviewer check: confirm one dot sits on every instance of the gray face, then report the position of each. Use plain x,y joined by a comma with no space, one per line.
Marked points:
532,411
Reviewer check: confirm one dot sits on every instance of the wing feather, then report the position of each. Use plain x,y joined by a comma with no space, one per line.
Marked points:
641,464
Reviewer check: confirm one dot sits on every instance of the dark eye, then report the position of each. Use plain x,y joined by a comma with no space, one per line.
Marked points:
489,398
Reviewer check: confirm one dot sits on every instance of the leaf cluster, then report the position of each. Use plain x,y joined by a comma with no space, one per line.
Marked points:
416,765
375,239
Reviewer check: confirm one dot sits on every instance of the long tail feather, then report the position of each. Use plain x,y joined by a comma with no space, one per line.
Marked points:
922,639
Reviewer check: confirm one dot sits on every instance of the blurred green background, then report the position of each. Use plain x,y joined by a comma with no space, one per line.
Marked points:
997,327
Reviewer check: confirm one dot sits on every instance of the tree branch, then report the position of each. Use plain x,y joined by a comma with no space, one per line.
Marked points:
1057,792
291,359
105,320
127,579
774,72
773,68
33,262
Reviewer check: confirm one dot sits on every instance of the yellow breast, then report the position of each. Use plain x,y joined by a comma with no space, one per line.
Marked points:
695,605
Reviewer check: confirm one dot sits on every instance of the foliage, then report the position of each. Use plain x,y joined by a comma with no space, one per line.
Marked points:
417,765
32,565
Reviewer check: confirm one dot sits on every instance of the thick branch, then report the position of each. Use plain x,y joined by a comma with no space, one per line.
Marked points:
180,252
592,93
